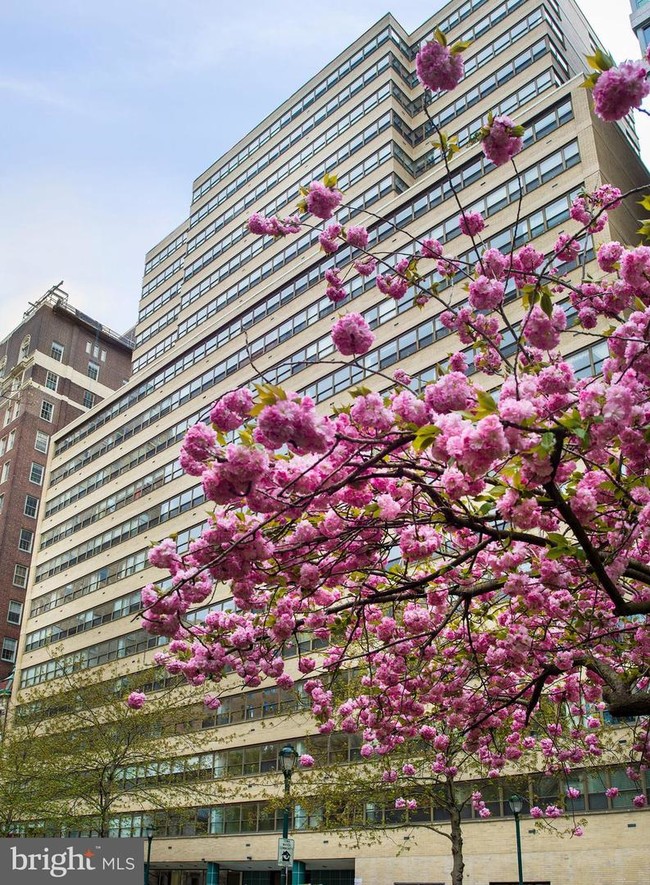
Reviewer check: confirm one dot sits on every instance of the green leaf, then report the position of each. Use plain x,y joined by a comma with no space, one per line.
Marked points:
546,304
600,60
645,202
487,403
425,437
557,552
360,390
548,441
440,37
590,81
460,46
330,180
530,295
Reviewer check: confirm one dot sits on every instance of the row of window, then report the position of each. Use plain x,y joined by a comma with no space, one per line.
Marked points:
169,249
263,817
297,286
240,762
93,656
103,613
162,277
106,575
112,650
297,109
133,492
259,243
471,64
530,179
159,300
158,443
161,378
36,472
359,204
156,515
163,321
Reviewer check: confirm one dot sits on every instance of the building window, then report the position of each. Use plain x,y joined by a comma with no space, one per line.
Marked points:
89,399
31,506
41,442
2,502
96,351
36,472
15,612
24,347
4,476
20,580
9,647
93,371
47,410
26,540
7,442
3,363
51,380
56,351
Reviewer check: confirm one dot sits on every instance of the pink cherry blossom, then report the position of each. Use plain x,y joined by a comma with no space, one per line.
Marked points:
620,89
502,140
471,223
351,335
438,68
322,201
136,700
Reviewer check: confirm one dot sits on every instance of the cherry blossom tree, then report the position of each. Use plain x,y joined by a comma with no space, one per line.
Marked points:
475,548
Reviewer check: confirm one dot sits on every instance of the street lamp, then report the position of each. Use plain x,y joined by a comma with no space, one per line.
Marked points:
149,834
288,757
516,805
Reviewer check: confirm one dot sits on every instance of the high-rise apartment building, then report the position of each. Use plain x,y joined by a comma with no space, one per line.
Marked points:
54,366
640,21
221,308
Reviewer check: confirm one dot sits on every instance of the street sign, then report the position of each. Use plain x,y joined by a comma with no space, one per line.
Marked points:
285,852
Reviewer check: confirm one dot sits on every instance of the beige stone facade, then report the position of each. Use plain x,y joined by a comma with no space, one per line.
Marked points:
221,308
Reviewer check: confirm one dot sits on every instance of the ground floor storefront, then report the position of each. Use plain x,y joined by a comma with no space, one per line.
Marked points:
612,849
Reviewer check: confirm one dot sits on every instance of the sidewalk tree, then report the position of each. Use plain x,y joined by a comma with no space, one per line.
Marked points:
85,755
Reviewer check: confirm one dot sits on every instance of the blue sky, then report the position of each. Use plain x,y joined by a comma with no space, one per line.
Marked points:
111,110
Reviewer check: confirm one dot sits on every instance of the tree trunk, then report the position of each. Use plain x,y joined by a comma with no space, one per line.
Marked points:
458,866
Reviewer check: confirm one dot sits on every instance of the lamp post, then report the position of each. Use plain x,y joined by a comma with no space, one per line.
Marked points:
149,834
516,804
288,757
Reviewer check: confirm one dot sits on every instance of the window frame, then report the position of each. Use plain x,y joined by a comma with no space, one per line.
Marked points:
39,467
47,408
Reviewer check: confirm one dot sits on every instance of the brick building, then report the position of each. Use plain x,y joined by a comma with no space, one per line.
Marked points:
54,366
